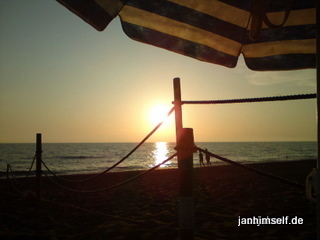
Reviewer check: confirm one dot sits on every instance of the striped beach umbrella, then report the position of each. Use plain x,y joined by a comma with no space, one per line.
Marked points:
271,34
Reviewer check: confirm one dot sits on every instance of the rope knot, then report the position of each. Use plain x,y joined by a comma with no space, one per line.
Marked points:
184,148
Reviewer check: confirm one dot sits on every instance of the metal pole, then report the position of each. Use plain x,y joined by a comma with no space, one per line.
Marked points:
185,147
38,165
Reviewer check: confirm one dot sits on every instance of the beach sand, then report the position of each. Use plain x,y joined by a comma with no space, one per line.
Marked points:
147,208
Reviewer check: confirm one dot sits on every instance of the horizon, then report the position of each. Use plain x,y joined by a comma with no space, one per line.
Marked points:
151,142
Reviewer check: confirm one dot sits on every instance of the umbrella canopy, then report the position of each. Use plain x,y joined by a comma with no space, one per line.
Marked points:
271,34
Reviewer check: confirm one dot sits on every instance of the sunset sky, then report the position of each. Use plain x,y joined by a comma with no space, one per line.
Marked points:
64,79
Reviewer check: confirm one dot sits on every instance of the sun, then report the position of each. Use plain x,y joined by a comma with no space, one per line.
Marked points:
158,114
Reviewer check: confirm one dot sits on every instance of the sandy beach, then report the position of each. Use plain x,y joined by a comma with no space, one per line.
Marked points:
147,208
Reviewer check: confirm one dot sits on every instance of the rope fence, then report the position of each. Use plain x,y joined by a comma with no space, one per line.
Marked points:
120,161
34,158
255,170
14,182
114,186
252,100
13,179
246,100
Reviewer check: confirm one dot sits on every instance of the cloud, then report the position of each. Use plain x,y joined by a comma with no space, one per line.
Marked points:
300,77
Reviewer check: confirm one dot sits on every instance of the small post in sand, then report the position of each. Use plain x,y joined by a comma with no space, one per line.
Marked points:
38,165
185,149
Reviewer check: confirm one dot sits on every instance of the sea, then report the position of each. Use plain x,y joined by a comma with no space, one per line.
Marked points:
84,158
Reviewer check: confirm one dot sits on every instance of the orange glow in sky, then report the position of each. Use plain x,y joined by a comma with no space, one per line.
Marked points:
158,114
62,78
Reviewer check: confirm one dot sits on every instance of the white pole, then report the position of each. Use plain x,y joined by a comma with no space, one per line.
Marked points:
317,184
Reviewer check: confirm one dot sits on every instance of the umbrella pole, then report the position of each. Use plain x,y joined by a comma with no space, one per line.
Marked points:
317,184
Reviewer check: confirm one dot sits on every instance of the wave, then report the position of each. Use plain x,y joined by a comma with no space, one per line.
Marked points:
79,157
16,174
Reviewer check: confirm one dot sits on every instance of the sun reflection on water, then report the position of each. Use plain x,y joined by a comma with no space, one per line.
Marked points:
160,153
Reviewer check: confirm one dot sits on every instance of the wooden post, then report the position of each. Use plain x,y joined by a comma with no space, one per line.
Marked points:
38,165
177,105
185,147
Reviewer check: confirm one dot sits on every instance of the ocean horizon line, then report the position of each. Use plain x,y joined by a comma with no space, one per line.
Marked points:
278,141
266,141
67,158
